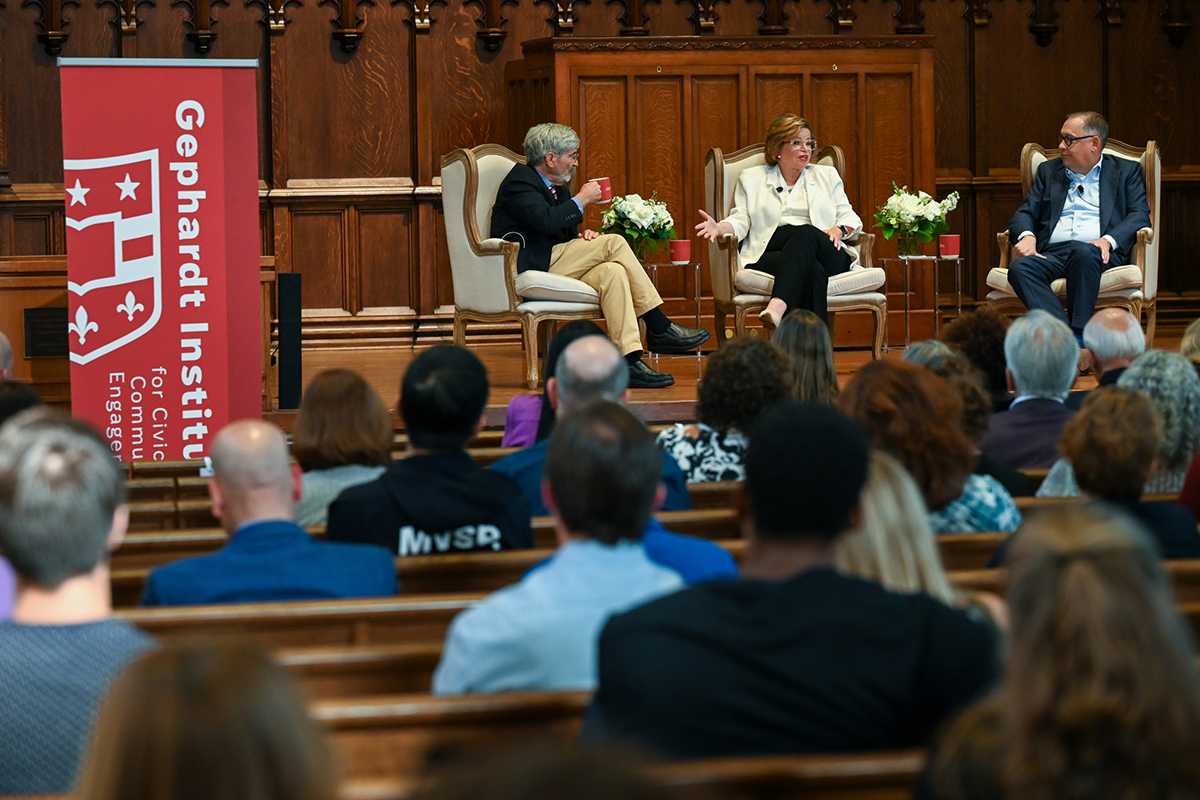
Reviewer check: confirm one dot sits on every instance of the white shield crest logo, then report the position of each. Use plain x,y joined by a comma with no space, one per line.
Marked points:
116,268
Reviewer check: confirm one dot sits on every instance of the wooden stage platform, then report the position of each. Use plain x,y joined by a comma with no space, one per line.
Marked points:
383,367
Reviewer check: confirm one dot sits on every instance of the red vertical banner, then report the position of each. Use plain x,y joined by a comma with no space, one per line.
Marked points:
160,161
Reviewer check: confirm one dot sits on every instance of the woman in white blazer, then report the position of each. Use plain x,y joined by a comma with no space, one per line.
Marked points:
790,217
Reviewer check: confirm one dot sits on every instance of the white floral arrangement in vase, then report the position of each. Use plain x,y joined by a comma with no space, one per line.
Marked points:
917,218
645,223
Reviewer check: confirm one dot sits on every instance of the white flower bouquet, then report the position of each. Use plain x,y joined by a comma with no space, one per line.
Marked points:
645,224
916,217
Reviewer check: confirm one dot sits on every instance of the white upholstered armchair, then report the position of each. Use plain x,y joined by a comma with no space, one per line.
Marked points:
487,287
742,291
1130,286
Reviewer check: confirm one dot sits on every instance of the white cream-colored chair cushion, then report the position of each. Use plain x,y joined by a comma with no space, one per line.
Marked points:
1111,280
852,281
534,284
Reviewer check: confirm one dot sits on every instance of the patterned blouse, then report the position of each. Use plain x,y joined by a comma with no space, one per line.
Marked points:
985,505
704,454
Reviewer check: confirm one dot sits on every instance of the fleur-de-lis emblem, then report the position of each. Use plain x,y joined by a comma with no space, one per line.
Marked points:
81,326
130,306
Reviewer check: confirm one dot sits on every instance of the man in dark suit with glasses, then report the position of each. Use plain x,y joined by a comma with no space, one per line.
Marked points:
1081,217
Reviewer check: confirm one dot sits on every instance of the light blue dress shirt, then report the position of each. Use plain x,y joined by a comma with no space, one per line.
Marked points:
541,633
1080,218
554,191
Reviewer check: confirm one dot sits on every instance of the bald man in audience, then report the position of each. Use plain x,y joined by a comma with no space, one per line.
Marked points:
62,511
793,657
269,557
1113,340
591,369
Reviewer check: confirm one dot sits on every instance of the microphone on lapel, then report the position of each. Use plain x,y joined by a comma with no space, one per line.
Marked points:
779,189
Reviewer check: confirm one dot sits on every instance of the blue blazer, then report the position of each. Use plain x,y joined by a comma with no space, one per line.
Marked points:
275,560
1123,206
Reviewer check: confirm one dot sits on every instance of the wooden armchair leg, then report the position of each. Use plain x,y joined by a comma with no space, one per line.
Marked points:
719,317
880,314
460,331
529,336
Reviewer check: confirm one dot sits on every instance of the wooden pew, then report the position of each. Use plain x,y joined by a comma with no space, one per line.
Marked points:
363,670
1184,575
716,494
857,776
718,524
968,551
395,737
407,619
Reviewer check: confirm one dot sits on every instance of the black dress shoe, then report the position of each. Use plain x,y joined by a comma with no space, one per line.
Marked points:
642,377
676,339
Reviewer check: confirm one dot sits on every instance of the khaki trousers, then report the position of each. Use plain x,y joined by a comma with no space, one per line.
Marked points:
608,265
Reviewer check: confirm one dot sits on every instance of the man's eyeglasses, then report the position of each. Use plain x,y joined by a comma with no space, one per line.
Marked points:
797,144
1070,140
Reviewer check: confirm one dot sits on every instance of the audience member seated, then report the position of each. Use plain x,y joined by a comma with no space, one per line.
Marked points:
1100,696
954,368
742,379
529,418
979,335
1174,388
804,339
217,720
6,358
590,369
894,546
602,481
1043,361
1189,346
792,657
15,397
914,415
269,557
1111,444
62,511
343,437
437,500
586,370
1113,340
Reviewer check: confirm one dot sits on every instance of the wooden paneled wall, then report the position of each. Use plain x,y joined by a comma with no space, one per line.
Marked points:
359,100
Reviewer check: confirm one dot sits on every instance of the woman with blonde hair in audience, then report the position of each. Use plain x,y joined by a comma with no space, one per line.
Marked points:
210,721
743,379
1189,346
1100,695
343,438
804,339
894,546
1171,383
911,413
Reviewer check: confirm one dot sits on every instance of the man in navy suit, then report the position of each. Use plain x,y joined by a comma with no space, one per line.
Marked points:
1081,216
534,206
269,557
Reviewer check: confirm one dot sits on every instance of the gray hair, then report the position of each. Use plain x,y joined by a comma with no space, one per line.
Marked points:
590,368
6,355
59,490
1093,124
549,137
1171,383
927,353
1108,344
1042,355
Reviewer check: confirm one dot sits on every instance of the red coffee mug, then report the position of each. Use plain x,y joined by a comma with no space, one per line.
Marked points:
605,189
948,245
681,251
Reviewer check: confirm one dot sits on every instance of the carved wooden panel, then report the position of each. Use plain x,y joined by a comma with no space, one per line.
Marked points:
833,112
319,253
32,235
660,164
385,255
601,114
775,94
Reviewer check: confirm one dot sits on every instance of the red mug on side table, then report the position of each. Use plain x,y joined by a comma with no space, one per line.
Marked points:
605,189
681,251
948,245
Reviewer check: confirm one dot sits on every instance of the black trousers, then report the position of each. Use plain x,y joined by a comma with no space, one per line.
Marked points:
802,259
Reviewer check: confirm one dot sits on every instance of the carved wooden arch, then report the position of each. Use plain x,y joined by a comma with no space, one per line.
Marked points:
274,13
52,23
1176,22
200,22
349,25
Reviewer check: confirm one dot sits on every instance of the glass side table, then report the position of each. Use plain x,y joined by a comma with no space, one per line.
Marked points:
696,266
907,268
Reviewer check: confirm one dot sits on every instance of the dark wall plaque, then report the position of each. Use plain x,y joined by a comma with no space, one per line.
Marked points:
46,333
